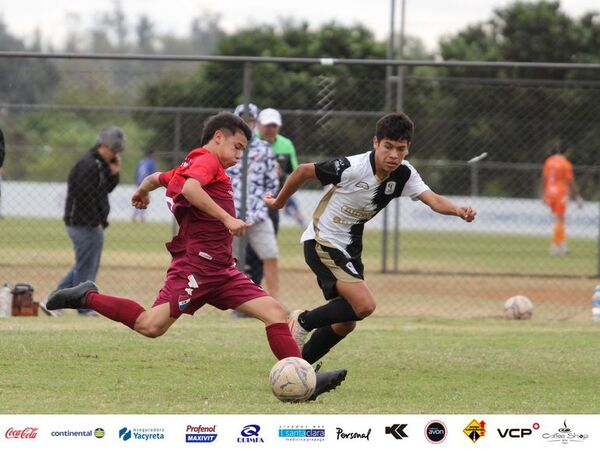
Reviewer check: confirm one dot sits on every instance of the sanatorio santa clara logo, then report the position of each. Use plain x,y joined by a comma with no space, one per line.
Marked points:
435,431
200,434
250,434
145,434
302,433
565,435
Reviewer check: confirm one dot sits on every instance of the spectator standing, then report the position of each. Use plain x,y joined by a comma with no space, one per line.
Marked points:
143,169
90,181
269,125
261,179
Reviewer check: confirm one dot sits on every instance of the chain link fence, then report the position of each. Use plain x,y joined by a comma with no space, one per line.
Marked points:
417,263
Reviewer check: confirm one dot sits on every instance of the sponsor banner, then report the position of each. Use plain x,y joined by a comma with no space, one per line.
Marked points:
494,214
277,432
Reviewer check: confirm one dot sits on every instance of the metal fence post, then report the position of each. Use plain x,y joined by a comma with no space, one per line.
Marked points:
175,155
243,207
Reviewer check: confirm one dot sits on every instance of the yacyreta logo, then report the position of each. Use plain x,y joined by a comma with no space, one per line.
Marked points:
141,434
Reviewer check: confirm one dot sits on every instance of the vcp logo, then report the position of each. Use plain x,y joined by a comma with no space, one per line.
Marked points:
250,434
518,432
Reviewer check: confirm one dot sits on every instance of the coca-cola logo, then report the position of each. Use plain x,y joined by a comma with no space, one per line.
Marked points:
21,433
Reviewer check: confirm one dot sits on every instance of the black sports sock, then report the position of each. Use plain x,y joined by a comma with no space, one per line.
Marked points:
320,343
335,311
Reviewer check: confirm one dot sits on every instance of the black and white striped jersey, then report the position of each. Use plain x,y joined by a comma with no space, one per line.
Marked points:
356,196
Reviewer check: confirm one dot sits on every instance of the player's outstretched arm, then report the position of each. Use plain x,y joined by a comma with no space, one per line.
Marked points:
444,206
296,179
141,197
195,194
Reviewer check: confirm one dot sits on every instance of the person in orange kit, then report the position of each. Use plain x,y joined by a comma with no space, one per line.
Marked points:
559,183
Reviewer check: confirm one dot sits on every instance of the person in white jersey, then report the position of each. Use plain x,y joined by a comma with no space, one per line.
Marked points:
362,185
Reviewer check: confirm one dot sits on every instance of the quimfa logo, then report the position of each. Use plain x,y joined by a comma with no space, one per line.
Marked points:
475,430
250,434
517,432
200,434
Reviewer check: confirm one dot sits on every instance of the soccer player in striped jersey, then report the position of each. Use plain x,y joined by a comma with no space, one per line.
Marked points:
361,186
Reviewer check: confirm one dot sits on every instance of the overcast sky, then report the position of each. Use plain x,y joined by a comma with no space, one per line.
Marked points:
427,19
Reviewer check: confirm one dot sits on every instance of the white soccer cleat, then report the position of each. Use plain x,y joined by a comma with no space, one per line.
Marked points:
298,332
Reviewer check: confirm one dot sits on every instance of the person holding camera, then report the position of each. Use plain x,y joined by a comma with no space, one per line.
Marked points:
90,181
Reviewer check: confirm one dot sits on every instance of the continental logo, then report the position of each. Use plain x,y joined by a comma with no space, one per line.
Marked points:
358,213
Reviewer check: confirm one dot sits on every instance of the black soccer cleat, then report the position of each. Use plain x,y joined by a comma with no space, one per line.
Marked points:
70,297
327,381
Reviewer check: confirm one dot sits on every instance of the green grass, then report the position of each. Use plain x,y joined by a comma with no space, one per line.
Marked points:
212,364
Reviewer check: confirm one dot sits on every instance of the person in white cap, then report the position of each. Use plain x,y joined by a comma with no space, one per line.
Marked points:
261,179
269,124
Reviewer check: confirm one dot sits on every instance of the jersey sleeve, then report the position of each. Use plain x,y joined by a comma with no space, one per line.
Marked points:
330,172
204,169
415,185
165,177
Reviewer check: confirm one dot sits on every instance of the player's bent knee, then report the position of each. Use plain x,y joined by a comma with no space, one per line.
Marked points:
152,331
365,309
343,329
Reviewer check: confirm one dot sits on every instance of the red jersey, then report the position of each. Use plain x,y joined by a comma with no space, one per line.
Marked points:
205,239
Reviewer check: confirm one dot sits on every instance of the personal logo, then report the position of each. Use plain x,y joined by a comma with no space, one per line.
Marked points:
435,432
565,435
518,432
342,435
362,185
475,430
302,433
200,434
397,431
250,434
390,187
99,433
145,434
25,433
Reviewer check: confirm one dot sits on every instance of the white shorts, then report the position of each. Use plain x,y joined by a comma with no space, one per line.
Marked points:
261,236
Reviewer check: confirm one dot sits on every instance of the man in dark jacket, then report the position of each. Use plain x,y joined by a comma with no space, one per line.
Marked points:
86,210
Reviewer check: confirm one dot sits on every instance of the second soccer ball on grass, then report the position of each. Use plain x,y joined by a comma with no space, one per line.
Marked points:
518,307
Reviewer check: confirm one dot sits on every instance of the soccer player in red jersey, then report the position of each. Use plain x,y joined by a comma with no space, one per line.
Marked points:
202,270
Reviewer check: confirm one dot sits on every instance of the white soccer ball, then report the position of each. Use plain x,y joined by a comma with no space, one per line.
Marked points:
292,379
518,307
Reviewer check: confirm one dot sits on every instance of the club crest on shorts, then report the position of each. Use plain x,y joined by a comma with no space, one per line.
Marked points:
183,301
390,187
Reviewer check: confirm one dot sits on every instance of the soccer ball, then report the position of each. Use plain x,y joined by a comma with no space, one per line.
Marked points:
518,307
292,379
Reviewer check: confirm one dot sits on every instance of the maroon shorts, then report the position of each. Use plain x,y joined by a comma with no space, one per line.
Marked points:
188,288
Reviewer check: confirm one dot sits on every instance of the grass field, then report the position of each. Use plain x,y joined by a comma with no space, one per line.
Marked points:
436,343
213,364
446,275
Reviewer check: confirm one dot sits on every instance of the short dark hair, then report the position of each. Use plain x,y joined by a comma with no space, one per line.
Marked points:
228,123
562,148
396,126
